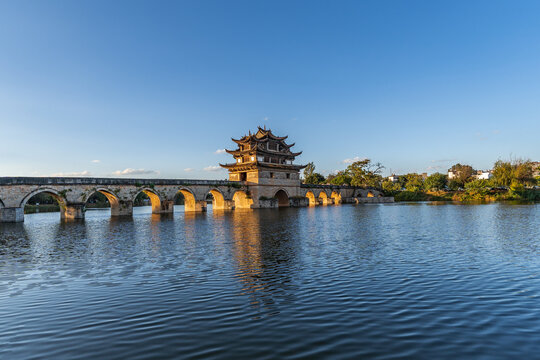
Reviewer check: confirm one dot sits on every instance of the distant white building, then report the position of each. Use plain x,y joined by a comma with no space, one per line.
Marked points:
483,175
451,175
393,178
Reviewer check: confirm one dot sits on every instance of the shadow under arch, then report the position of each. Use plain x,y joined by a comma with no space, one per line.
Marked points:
53,193
112,198
311,197
282,197
189,199
336,197
155,199
242,200
218,200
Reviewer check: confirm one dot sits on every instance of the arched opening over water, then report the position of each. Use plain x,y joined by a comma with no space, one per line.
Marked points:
147,197
44,200
323,198
218,201
283,198
102,198
188,199
311,198
242,200
336,197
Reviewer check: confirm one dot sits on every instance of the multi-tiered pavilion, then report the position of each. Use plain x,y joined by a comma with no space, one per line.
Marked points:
266,162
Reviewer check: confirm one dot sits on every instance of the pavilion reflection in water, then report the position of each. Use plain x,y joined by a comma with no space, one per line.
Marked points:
265,258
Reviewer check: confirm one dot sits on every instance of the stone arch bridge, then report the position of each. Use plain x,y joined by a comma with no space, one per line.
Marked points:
72,195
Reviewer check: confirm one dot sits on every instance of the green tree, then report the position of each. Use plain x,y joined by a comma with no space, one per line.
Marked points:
390,187
517,171
453,184
523,172
310,176
478,189
414,182
341,178
365,173
309,169
462,173
314,178
502,173
436,181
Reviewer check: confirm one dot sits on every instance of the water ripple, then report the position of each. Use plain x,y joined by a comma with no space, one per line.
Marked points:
369,281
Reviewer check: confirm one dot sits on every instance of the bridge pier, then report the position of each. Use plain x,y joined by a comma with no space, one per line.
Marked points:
226,205
122,208
195,206
164,207
72,212
299,202
12,215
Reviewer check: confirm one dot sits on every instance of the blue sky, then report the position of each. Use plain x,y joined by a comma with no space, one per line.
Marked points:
155,88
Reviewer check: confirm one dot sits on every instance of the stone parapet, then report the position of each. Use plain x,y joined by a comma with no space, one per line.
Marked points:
43,181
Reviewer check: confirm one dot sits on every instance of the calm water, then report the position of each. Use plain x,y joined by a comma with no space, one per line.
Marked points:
377,281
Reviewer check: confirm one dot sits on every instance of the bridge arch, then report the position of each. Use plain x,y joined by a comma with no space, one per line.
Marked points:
311,197
218,200
53,193
323,198
112,198
189,198
336,197
282,197
155,199
242,200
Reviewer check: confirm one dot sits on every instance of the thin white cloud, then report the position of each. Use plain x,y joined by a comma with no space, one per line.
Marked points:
96,161
220,151
213,168
188,169
73,174
354,159
130,171
443,160
266,118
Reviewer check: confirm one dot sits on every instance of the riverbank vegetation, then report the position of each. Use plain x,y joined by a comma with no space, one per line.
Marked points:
515,179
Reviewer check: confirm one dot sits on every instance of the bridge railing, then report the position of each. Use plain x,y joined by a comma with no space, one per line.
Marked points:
326,186
109,181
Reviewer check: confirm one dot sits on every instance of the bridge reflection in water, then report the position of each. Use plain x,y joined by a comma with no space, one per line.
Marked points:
257,246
